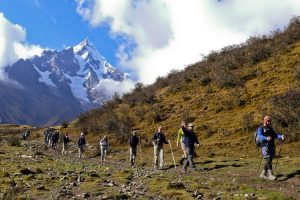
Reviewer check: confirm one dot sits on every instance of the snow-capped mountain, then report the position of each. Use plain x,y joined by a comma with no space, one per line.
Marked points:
70,79
80,67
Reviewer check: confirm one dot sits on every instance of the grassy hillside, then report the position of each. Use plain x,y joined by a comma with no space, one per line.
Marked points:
225,95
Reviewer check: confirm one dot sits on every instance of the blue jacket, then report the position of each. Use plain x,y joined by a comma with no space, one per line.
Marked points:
268,147
189,139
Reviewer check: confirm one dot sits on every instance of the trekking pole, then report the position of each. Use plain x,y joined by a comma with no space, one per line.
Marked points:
172,154
261,160
141,153
278,155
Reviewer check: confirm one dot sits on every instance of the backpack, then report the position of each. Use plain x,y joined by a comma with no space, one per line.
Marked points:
257,141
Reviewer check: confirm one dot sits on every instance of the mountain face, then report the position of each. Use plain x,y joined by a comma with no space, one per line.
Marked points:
56,86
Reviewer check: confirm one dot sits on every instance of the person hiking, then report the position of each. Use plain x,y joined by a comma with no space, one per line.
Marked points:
267,135
26,135
81,144
103,148
65,140
55,138
133,142
189,139
179,140
46,135
158,140
50,133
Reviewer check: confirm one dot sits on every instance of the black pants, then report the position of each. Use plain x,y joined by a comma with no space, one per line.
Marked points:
268,165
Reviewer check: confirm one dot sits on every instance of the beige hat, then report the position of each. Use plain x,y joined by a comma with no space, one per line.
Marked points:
190,125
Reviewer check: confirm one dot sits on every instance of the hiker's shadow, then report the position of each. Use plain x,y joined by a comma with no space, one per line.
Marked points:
205,162
288,176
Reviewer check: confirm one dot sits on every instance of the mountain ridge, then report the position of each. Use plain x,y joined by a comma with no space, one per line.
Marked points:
71,79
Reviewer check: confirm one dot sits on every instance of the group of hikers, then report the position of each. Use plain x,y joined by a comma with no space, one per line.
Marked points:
187,140
51,137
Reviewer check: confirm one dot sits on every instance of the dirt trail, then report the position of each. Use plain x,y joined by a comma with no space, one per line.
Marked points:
216,177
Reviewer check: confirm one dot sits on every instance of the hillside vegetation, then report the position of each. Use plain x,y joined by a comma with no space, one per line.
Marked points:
224,95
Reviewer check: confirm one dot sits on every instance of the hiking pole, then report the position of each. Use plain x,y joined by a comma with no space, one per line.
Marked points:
261,159
141,153
172,154
278,154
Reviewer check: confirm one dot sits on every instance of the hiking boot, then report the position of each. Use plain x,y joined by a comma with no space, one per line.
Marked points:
264,174
271,175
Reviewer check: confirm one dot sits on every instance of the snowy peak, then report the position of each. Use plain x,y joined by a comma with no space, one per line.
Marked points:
84,46
77,71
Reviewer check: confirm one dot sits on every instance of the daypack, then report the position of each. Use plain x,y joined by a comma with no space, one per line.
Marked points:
257,141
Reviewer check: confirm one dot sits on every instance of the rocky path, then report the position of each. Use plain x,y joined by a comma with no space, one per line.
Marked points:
33,171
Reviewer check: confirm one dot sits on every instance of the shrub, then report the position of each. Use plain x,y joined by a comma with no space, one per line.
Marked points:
14,141
205,81
247,122
286,113
65,124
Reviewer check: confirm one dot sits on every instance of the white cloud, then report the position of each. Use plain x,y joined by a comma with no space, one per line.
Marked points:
12,44
110,87
170,34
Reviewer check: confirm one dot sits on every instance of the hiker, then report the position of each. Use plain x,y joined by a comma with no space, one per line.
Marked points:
50,133
65,140
55,138
133,142
103,148
46,135
158,140
189,139
26,135
179,139
81,144
267,135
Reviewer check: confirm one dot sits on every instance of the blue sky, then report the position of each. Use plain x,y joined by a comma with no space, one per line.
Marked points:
148,38
55,24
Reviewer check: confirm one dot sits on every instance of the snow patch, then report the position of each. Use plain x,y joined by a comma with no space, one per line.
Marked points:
78,89
44,77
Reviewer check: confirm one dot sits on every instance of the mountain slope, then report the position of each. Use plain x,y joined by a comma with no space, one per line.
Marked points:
225,95
57,85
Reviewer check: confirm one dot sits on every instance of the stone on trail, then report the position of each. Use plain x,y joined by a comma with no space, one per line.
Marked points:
41,187
175,185
26,171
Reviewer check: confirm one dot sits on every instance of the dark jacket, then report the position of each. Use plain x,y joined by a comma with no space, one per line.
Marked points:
133,141
189,139
55,137
159,139
66,139
81,141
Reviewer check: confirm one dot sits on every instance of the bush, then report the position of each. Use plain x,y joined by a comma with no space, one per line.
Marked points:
247,122
205,81
65,124
286,113
14,141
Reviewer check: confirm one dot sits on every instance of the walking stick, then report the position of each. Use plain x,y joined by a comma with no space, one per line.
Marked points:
172,154
141,154
261,160
278,155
